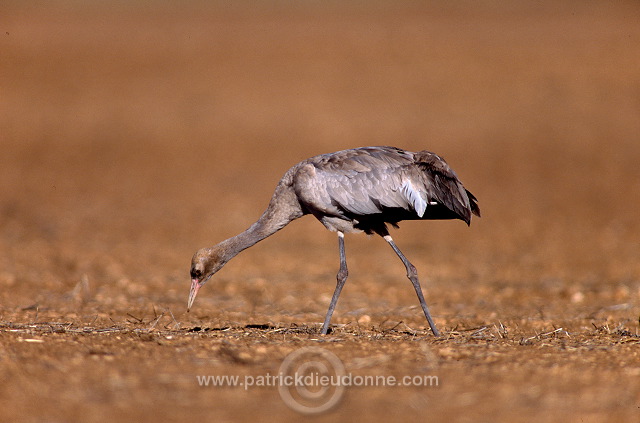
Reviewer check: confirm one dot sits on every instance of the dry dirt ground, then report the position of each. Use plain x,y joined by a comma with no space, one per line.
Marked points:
134,133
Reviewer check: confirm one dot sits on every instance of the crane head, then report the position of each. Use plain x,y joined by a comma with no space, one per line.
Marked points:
204,264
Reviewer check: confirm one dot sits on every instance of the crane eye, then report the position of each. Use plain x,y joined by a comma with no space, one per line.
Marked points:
196,274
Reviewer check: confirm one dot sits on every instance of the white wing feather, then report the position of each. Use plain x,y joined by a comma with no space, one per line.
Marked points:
414,198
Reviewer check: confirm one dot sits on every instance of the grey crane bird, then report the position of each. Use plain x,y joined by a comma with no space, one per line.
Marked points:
362,189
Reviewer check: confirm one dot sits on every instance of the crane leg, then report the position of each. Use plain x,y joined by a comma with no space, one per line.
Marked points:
412,274
341,278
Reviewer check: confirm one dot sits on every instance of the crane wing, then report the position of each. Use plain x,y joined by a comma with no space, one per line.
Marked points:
362,181
374,180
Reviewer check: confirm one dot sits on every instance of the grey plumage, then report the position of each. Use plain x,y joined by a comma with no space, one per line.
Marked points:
367,187
361,189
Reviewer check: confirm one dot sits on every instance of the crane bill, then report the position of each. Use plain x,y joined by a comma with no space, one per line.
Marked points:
195,287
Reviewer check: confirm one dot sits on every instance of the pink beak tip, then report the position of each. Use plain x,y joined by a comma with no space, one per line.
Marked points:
195,287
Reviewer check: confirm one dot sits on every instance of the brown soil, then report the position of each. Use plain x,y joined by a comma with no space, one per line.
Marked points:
133,134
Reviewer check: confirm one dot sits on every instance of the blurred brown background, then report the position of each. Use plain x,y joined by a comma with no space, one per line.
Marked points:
134,133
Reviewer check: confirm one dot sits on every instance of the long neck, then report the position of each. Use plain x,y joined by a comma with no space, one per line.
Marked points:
283,208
